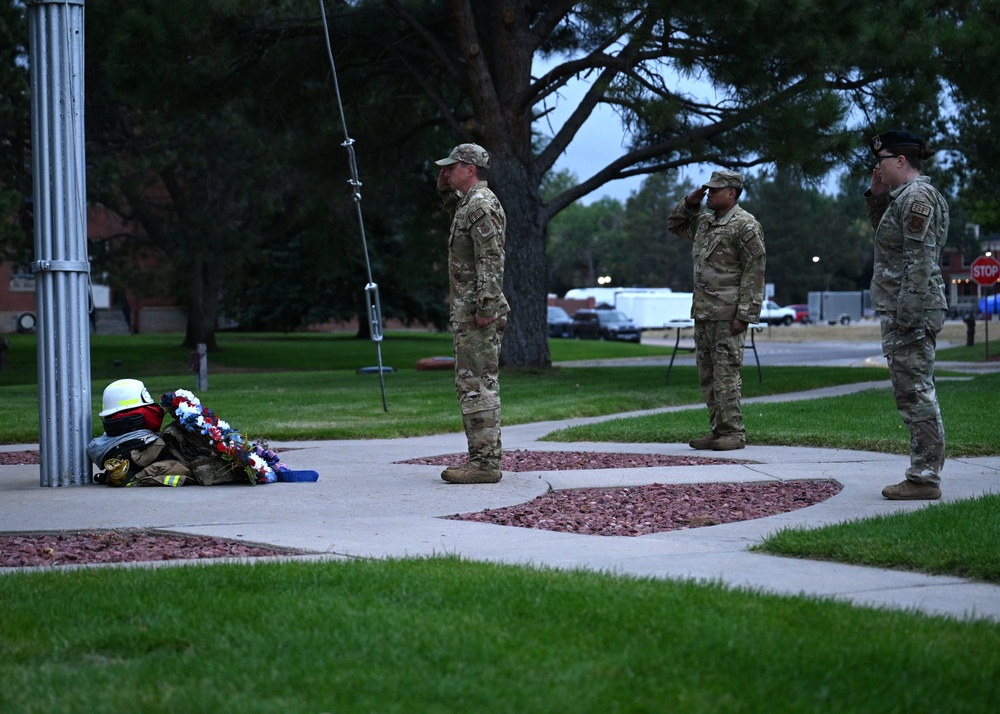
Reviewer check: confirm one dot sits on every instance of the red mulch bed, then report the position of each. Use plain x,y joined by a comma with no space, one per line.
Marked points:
640,510
17,458
518,460
121,546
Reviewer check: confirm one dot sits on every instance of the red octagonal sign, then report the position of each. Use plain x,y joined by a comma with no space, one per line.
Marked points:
985,270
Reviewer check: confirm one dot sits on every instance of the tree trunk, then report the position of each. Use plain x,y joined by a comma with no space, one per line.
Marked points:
203,307
525,342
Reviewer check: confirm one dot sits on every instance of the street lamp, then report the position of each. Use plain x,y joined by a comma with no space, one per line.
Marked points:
822,296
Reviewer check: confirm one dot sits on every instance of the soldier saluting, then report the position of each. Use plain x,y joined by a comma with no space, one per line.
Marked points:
728,254
910,218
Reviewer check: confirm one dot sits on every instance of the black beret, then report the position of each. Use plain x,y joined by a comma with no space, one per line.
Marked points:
895,138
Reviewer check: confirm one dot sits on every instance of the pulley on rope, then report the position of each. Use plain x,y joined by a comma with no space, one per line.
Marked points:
371,289
374,312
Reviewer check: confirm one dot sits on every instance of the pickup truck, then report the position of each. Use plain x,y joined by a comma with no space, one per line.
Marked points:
772,313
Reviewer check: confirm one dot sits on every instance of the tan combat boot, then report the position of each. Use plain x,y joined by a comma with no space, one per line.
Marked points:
703,442
482,431
728,443
452,471
912,491
472,472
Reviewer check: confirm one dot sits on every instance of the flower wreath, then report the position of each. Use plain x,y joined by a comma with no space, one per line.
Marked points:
260,463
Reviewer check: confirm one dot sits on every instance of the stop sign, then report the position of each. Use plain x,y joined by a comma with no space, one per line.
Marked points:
985,270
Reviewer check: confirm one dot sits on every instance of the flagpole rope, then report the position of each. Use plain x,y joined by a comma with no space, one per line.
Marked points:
371,289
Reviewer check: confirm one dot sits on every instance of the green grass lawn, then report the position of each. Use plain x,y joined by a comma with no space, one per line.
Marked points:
344,405
964,540
156,355
307,386
977,353
441,635
867,421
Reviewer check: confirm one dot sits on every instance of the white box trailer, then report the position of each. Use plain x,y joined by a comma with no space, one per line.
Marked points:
649,308
652,311
602,296
839,307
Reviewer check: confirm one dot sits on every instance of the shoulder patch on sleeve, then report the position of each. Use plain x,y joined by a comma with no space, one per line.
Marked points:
476,215
753,248
751,242
921,208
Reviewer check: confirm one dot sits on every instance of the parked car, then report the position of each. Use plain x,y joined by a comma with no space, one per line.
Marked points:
559,323
801,313
773,314
604,325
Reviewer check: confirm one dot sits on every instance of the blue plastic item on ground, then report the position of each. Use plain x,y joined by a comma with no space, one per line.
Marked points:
301,476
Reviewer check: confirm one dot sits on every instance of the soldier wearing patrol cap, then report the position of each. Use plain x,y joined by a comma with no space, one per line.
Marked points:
478,309
910,218
728,255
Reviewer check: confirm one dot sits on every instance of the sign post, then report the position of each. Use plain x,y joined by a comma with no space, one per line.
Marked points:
985,271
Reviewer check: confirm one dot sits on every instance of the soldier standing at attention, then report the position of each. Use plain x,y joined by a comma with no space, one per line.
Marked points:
911,220
728,255
478,306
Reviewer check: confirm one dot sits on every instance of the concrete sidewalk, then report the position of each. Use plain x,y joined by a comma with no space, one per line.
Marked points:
365,504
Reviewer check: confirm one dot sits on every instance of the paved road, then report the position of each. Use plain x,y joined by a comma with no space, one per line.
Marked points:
776,354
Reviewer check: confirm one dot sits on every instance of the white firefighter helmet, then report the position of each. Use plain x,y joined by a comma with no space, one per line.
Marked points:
124,394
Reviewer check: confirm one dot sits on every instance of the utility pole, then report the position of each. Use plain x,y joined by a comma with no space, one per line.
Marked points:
61,267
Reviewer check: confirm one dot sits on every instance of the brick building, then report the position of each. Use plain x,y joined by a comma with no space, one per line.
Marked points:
114,313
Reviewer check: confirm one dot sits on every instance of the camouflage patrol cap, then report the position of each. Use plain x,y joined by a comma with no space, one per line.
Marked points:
725,179
468,154
895,138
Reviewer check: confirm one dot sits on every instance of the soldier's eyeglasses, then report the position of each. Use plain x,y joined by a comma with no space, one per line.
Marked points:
878,159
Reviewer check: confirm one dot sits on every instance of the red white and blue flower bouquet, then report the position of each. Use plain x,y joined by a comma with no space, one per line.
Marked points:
254,458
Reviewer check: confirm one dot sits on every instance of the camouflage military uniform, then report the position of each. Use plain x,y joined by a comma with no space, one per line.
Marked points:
729,258
475,267
911,228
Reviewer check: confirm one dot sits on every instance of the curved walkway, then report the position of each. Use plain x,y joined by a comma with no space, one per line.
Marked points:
367,505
